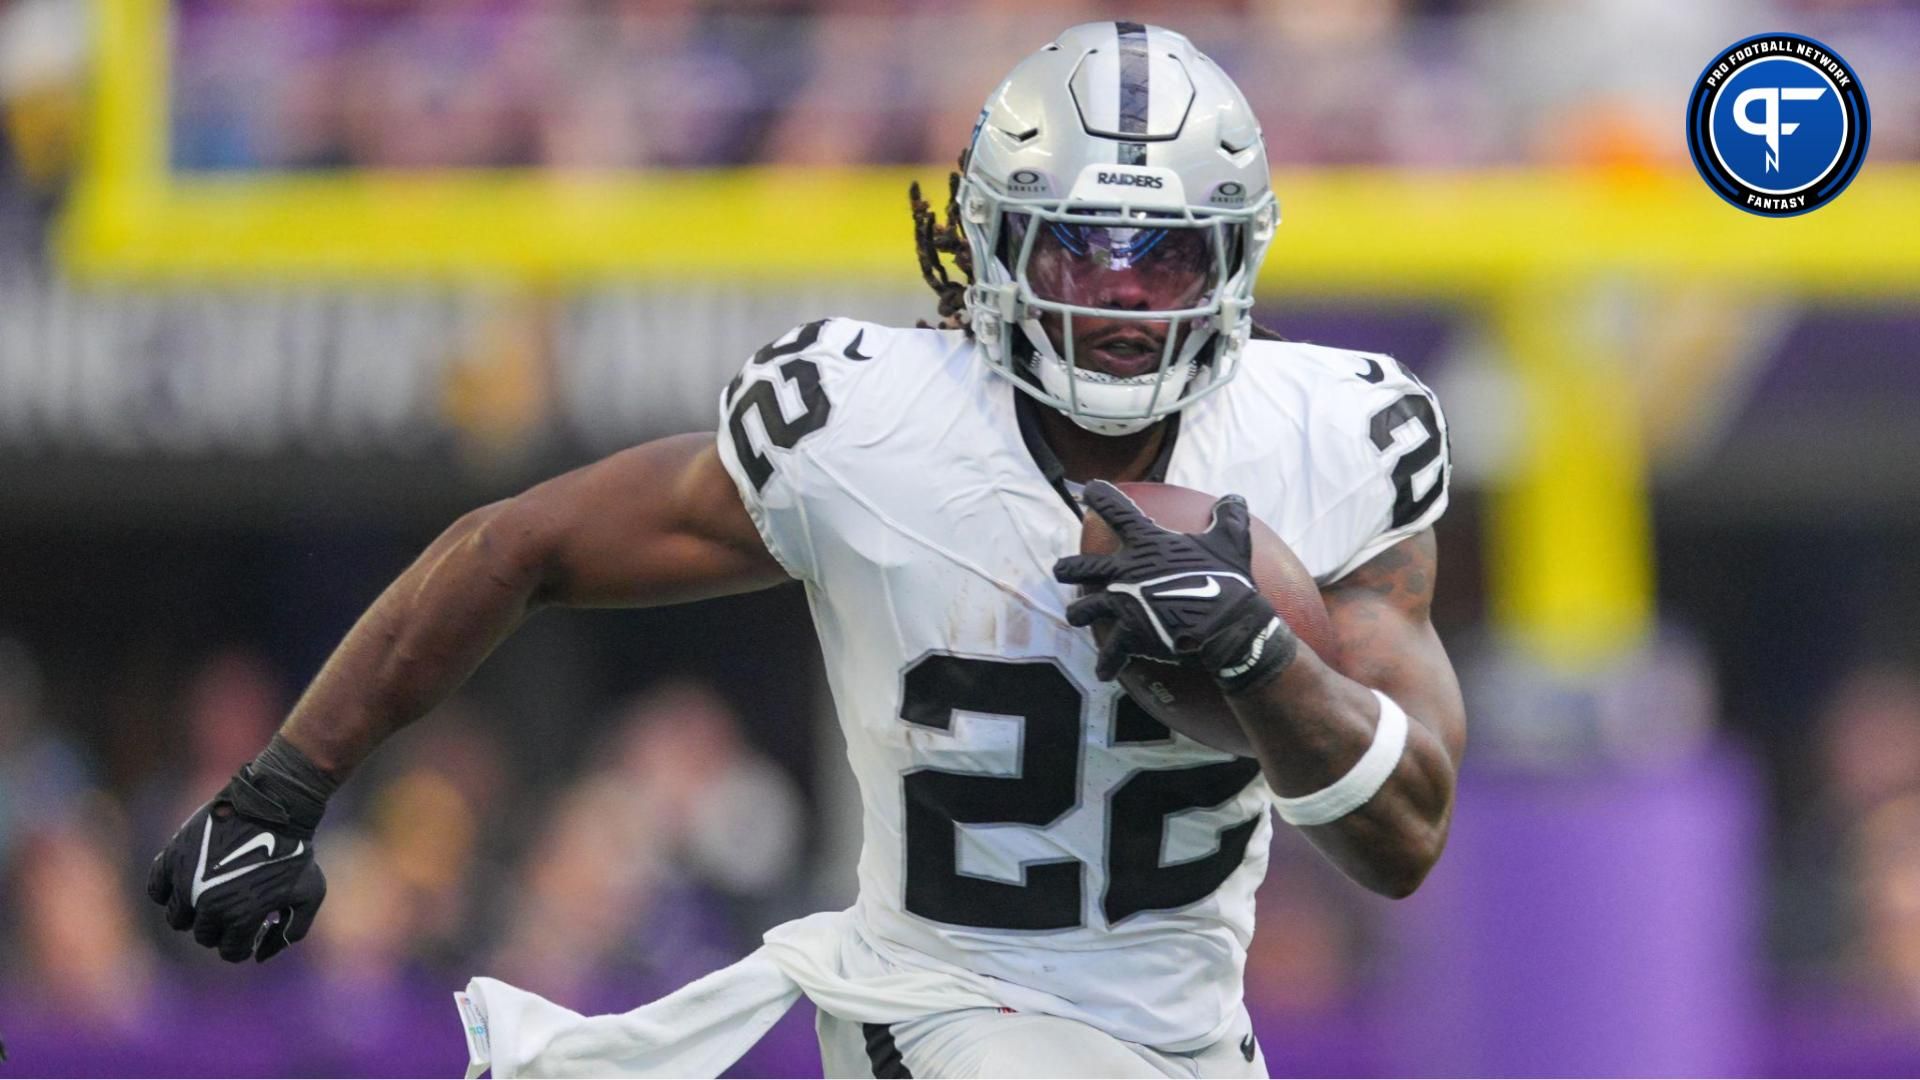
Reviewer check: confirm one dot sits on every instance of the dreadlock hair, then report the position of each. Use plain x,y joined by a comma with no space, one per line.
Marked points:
933,238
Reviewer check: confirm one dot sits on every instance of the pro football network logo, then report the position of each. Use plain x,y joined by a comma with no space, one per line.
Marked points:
1778,124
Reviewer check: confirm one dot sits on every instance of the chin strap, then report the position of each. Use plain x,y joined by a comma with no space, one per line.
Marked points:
1041,360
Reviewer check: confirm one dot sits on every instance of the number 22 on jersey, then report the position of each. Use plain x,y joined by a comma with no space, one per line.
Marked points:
1047,789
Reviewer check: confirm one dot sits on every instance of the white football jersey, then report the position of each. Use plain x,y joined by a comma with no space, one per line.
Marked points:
1025,821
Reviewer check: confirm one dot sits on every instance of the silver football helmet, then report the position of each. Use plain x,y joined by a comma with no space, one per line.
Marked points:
1134,166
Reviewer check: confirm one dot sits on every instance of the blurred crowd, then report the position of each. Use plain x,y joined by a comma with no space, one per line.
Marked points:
661,859
674,83
1850,857
605,84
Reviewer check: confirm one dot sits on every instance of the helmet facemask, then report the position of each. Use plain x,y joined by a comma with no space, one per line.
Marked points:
1177,278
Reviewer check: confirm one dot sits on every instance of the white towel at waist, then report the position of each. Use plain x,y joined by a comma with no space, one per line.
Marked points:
708,1024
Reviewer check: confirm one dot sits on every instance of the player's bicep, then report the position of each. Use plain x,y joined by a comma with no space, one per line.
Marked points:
659,523
1386,640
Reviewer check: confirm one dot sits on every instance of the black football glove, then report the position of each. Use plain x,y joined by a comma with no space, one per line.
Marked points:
1178,597
241,872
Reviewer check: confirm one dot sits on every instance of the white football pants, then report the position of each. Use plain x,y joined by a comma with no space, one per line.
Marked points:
993,1043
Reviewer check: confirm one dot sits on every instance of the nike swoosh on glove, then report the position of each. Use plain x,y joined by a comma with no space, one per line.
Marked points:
240,873
1178,597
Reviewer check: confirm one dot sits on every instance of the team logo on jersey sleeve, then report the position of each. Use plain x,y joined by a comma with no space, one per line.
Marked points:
1778,124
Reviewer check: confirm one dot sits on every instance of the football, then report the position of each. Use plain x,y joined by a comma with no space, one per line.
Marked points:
1186,698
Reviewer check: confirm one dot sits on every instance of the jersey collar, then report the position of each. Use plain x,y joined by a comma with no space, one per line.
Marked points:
1026,410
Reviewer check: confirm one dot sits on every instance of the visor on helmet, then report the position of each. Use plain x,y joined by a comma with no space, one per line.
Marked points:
1169,267
1153,268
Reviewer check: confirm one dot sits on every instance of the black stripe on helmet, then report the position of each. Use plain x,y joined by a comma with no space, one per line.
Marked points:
1133,90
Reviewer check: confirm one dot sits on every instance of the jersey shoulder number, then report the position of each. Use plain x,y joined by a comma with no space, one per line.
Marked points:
758,419
780,404
1409,428
1385,445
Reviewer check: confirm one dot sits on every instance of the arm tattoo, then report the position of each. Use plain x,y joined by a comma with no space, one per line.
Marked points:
1374,607
1402,575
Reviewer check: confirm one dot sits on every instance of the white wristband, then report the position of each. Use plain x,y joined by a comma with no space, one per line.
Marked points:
1362,782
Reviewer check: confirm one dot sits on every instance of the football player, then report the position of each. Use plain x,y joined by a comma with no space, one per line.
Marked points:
1079,875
